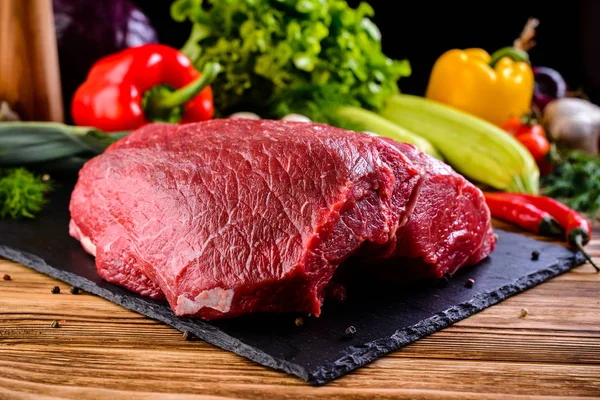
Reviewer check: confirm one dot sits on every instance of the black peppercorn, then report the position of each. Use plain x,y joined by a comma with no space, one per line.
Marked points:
187,335
299,321
470,283
535,255
6,277
74,290
54,324
55,290
350,331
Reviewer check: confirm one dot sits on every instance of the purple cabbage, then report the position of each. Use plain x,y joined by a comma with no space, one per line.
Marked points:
87,30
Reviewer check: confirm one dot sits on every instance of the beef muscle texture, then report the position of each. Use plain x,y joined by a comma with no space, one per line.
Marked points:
230,217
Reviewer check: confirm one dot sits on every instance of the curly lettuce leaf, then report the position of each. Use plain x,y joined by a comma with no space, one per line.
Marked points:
281,56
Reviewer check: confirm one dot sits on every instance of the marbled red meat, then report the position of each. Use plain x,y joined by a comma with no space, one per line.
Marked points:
230,217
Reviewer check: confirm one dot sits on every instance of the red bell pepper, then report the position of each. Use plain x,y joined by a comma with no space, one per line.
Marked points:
133,87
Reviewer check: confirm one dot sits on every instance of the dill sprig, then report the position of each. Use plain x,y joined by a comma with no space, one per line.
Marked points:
22,193
575,181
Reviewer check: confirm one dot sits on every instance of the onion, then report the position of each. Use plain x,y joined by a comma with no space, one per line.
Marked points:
549,85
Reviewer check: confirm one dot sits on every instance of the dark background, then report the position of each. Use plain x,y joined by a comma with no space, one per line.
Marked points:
568,37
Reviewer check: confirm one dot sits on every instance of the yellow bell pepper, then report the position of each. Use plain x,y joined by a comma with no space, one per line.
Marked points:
493,87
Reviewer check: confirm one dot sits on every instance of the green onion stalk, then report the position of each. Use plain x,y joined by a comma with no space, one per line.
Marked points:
30,151
51,146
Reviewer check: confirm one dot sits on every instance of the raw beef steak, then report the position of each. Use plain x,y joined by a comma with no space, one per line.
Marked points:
230,217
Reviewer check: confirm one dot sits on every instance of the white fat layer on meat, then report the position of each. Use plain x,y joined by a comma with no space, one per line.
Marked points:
217,299
85,241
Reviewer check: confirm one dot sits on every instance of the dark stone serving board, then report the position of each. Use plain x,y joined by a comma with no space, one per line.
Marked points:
386,317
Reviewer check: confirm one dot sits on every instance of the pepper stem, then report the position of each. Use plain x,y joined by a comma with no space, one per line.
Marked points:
579,245
512,52
188,92
162,103
518,51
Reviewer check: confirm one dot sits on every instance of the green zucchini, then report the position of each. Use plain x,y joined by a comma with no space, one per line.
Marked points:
478,149
374,123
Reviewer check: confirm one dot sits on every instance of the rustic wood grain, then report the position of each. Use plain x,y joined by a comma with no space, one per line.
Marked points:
103,351
29,67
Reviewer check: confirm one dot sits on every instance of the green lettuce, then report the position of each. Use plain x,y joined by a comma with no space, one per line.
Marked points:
282,56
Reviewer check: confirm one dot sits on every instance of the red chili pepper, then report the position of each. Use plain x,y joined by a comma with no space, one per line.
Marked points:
524,215
128,89
578,229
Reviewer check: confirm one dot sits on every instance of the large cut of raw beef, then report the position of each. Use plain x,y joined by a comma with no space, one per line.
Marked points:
230,217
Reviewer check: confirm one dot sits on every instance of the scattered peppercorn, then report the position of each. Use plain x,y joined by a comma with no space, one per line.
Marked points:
350,331
187,335
55,290
470,283
524,312
55,324
6,277
535,255
74,290
299,321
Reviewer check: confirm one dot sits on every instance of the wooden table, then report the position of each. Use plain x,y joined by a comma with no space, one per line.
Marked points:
103,351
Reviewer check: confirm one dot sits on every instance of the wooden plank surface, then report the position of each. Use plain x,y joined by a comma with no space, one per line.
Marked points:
103,351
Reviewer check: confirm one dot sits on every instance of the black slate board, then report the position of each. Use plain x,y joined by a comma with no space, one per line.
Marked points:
385,318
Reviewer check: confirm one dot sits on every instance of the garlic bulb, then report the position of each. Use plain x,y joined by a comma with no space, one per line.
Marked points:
296,118
245,115
573,122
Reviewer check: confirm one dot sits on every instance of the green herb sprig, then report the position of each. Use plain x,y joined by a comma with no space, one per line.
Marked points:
575,181
22,193
41,146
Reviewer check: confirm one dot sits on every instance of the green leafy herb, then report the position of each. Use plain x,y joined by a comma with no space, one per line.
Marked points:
282,56
575,181
22,194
